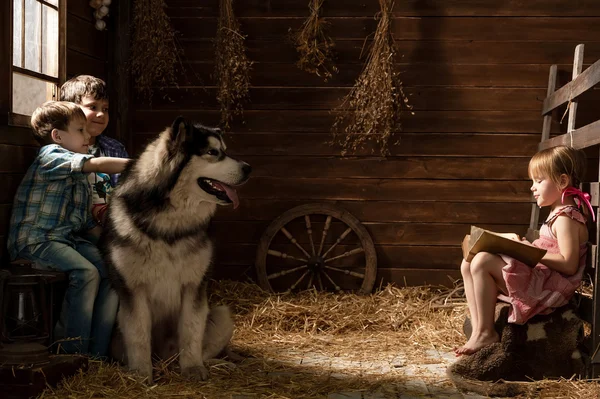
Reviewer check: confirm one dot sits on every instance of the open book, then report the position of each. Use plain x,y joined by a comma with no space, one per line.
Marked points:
481,240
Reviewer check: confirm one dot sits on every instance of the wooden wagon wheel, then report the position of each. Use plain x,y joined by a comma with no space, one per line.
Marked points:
292,256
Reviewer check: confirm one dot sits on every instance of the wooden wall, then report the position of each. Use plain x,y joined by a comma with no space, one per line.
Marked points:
86,53
476,72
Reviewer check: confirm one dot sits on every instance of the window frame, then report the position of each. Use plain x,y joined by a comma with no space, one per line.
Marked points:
7,68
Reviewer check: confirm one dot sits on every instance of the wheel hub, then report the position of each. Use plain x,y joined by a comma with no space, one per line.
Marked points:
316,263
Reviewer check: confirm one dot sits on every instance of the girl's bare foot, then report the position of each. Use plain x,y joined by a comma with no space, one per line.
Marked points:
476,342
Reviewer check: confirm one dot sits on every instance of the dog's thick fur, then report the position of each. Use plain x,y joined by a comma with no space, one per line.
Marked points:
157,250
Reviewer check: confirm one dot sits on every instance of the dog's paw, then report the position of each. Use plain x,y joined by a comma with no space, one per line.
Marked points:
234,356
195,373
144,377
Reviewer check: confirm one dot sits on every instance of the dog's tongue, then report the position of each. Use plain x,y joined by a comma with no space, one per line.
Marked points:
230,191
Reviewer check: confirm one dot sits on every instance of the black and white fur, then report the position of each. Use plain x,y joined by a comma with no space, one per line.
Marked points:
158,252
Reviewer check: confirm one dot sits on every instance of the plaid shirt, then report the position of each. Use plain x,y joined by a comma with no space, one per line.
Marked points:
110,147
52,201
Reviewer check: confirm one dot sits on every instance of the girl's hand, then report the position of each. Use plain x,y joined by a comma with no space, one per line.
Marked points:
511,236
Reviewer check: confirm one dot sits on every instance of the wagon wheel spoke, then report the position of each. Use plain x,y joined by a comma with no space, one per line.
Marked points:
309,230
350,272
345,254
283,255
325,229
310,280
340,239
337,287
320,282
294,241
293,287
283,273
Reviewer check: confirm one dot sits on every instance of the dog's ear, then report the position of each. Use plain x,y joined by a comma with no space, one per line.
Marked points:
181,131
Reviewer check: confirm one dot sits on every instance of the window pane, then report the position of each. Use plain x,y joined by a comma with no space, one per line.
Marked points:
32,35
29,93
53,2
50,41
17,26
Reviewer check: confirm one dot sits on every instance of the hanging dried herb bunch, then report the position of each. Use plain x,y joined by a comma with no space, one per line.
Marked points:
314,46
232,67
154,54
372,109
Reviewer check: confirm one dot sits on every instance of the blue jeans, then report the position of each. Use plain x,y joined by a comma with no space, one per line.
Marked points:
90,305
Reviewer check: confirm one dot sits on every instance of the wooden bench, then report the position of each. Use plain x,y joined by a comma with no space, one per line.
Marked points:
581,138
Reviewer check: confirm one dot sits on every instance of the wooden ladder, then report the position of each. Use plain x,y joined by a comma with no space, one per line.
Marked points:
581,138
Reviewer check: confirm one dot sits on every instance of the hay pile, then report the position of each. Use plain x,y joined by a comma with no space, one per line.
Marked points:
275,331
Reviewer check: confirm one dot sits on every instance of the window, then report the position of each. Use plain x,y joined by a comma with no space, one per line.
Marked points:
37,55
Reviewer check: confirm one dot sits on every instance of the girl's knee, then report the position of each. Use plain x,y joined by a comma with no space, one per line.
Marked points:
480,261
465,268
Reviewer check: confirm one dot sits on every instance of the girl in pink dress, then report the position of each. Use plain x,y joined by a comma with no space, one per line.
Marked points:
556,173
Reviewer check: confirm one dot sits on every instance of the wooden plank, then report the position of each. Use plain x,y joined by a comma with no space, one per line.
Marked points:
421,98
410,52
249,232
8,186
5,210
13,135
83,37
546,128
396,276
414,211
83,64
81,9
586,80
16,159
414,277
583,137
4,258
403,144
387,189
577,66
321,121
266,74
417,8
580,29
5,60
405,168
410,257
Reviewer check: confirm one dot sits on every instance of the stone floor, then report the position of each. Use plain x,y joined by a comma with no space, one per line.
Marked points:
427,380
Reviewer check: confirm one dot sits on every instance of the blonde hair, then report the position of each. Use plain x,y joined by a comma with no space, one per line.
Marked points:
553,162
54,115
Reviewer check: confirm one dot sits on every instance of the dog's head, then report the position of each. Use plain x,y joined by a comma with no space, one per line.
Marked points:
208,167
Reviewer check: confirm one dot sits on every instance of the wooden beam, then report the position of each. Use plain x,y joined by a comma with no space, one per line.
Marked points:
583,137
547,126
577,66
585,81
5,59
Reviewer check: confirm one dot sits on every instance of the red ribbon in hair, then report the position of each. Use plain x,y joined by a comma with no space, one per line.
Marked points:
584,198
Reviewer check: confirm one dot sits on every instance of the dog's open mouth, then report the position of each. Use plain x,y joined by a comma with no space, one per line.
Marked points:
220,190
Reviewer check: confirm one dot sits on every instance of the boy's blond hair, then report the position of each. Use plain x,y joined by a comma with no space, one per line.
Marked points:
553,162
54,115
75,89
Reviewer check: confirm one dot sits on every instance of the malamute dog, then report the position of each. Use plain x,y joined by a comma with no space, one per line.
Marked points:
157,250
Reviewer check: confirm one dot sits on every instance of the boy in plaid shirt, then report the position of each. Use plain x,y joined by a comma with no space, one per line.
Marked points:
51,222
91,94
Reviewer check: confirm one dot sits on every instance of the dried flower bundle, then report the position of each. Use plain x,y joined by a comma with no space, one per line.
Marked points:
232,67
372,109
314,46
154,54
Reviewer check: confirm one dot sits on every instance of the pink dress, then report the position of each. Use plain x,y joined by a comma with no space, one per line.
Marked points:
539,290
